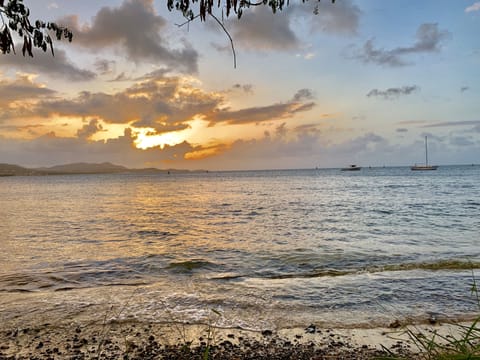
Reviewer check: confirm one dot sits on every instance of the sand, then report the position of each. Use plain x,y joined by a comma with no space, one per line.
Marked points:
140,340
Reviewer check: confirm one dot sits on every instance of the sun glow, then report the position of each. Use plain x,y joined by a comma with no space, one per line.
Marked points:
148,138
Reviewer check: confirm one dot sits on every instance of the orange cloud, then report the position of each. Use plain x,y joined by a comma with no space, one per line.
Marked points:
200,153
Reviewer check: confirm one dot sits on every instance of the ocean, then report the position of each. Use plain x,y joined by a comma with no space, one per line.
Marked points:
257,249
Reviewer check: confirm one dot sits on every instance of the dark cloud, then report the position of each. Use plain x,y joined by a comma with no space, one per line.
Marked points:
159,101
89,129
104,66
246,88
255,115
307,128
21,89
155,103
393,93
165,103
281,130
429,39
474,129
453,123
19,96
303,94
412,122
464,88
261,30
135,29
43,62
121,77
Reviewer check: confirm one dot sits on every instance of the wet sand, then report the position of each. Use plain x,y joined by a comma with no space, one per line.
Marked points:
139,340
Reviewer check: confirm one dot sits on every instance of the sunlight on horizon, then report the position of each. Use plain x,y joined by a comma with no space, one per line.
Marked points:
146,140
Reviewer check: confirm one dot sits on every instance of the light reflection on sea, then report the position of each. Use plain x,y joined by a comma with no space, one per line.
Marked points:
267,249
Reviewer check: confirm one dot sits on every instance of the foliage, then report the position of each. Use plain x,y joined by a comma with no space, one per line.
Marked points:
15,18
205,7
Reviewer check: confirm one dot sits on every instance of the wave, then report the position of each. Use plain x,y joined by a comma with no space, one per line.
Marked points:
150,269
27,282
154,233
428,266
190,265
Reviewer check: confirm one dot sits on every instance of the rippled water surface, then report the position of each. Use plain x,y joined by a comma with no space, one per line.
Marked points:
264,248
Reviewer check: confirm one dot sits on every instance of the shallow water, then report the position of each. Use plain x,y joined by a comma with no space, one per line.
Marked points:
265,248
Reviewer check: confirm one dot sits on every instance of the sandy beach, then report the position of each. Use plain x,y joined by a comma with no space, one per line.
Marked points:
140,340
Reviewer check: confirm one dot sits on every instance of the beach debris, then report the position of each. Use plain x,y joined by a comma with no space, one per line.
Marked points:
311,329
395,324
267,333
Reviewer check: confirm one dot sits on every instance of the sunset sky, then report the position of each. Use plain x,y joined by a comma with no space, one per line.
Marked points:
362,82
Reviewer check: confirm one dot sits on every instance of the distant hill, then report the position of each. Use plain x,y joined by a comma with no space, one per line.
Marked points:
80,168
15,170
84,168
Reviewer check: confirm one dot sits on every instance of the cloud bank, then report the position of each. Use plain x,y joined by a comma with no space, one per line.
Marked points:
261,30
393,93
429,39
136,31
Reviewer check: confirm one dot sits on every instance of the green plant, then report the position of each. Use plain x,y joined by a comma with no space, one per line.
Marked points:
112,314
211,332
464,345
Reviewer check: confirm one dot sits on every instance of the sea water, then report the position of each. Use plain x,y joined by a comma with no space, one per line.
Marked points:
264,249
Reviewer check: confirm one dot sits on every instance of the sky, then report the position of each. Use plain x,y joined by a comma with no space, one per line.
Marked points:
356,82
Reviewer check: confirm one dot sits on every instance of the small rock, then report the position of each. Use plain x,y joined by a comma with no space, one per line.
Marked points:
227,343
311,329
394,325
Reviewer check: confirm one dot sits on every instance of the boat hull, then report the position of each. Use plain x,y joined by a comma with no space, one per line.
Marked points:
424,167
351,168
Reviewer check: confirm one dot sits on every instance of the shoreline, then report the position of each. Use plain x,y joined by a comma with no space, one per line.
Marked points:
144,340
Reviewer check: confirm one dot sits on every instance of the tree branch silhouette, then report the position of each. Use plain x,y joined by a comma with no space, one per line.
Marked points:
15,18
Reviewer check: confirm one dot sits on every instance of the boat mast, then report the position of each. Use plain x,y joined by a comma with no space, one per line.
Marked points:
426,152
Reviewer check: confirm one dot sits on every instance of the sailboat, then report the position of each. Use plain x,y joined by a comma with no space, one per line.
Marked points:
426,166
351,168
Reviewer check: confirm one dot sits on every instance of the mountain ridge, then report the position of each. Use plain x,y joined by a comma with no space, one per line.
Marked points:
80,168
